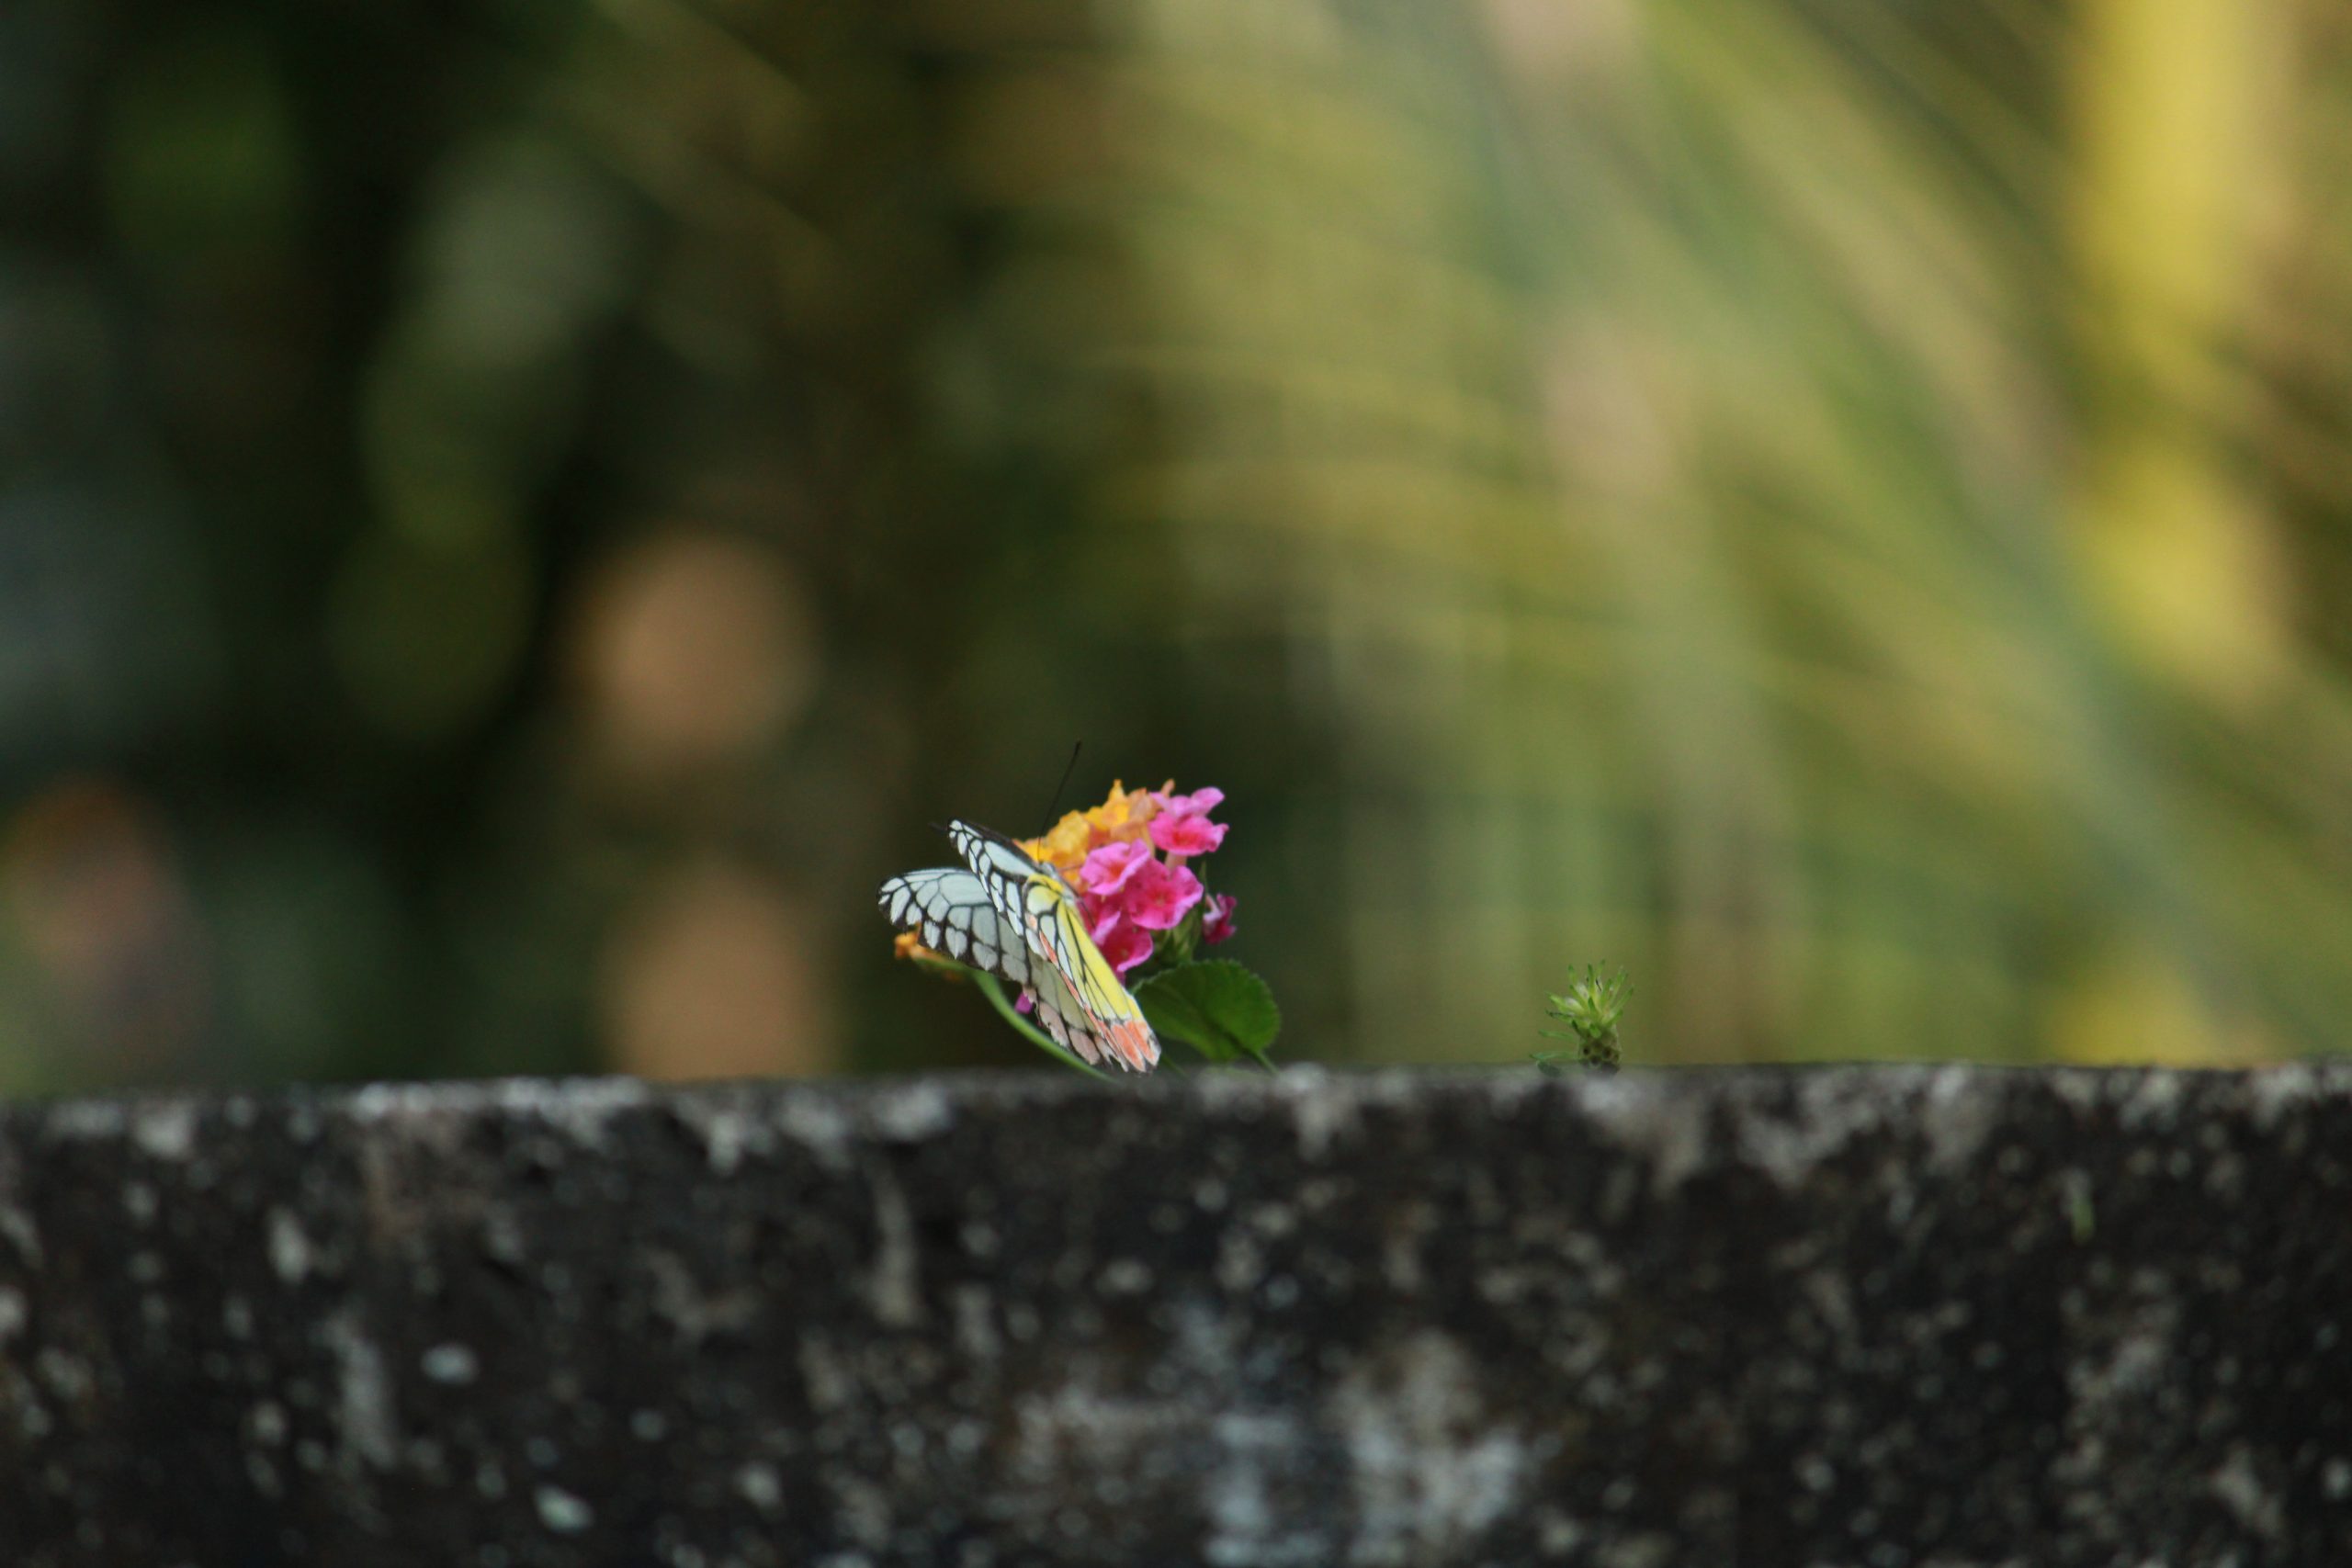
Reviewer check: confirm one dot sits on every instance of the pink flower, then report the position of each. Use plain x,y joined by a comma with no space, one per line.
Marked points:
1200,802
1186,834
1217,924
1158,897
1182,825
1110,867
1123,942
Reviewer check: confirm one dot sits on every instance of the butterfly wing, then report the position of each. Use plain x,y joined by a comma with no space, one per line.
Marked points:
1079,998
950,911
1002,865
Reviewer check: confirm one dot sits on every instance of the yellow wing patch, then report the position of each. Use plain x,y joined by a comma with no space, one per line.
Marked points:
1086,1008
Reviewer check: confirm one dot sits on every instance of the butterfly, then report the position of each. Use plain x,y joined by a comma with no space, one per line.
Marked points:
1018,918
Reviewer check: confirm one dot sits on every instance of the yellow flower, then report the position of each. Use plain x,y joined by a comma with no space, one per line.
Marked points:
1125,813
907,945
1124,816
1064,847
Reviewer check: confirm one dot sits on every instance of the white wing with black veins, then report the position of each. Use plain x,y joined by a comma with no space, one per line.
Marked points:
1001,865
950,911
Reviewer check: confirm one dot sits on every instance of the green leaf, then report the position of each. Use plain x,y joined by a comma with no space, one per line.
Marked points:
1217,1007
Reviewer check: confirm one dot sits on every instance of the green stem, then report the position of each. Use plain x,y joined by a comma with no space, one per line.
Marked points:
1037,1037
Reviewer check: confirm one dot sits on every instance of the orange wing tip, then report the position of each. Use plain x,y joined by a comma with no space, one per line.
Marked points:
1132,1038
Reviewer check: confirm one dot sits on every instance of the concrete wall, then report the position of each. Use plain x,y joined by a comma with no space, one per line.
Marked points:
1866,1316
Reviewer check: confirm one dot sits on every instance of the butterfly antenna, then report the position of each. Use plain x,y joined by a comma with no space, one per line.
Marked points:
1056,804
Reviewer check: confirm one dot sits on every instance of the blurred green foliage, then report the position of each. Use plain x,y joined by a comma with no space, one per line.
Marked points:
513,517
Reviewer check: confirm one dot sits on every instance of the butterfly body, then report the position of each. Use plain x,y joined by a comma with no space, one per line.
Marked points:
1014,916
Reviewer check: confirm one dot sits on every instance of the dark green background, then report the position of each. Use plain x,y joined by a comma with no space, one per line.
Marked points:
515,517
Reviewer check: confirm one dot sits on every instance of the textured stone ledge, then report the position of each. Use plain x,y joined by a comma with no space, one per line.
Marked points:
1839,1316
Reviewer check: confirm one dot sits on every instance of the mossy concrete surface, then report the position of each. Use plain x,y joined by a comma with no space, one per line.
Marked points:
1866,1316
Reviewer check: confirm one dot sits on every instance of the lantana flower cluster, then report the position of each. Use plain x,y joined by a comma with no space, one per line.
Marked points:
1127,860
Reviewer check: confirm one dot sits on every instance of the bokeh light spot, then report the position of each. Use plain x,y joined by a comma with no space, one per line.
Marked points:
714,976
690,649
